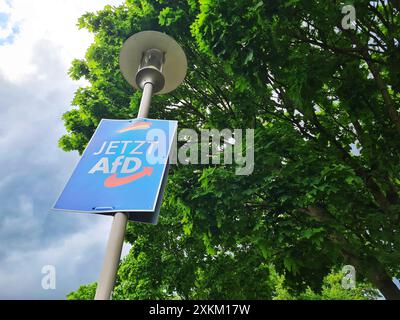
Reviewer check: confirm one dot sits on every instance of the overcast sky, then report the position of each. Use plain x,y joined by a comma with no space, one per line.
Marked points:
38,40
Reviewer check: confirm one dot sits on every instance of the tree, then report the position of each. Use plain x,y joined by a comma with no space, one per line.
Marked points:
324,104
86,292
331,290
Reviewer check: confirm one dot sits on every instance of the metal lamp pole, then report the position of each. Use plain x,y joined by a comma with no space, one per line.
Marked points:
116,240
154,63
113,254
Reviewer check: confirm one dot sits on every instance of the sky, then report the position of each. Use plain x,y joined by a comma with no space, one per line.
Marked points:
38,41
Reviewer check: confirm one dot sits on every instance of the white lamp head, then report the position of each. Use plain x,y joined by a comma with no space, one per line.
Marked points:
151,56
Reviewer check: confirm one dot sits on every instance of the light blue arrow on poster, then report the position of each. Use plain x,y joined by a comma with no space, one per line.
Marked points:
122,168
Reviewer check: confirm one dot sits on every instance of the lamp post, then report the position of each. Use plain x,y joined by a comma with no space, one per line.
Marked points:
153,62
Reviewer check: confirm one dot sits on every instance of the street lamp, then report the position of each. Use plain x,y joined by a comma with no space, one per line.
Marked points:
155,63
154,57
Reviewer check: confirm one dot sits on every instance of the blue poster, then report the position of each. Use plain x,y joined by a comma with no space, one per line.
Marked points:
123,168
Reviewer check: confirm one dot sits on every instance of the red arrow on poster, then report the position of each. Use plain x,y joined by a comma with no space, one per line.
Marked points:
114,181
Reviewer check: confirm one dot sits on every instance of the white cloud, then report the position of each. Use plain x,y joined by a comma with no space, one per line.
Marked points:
72,256
34,93
38,20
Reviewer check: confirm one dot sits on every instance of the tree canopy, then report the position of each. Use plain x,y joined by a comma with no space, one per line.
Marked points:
324,103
